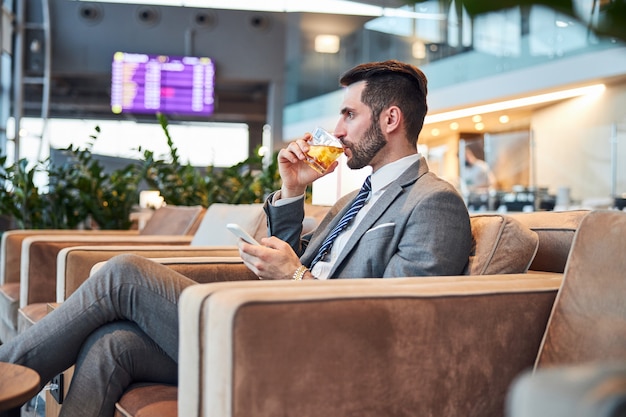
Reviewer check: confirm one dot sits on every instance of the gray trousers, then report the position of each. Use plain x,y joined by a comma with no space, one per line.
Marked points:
120,326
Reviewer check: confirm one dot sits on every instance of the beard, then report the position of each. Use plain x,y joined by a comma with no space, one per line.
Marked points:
363,152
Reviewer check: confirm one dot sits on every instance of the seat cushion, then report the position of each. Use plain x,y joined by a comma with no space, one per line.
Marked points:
148,400
502,245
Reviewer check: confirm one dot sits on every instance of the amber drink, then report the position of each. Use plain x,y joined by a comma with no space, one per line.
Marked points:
324,149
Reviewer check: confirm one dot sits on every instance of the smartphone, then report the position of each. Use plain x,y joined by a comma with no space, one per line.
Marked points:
242,234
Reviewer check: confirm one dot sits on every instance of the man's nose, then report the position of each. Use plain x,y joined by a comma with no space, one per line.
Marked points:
339,131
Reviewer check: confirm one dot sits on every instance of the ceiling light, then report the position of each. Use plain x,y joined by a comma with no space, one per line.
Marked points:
477,118
408,13
344,7
434,132
513,104
454,126
317,6
479,126
504,119
327,44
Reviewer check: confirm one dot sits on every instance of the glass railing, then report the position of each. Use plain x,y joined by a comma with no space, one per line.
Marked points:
452,51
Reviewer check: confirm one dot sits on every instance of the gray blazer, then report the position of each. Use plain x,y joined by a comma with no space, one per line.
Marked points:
419,226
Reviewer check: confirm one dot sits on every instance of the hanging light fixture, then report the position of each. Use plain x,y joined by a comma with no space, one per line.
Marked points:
327,44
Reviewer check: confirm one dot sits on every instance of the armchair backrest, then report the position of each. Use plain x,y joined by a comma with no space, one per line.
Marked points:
174,220
212,230
588,320
555,230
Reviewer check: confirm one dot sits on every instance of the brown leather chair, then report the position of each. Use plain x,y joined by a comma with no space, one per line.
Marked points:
581,366
502,245
435,346
496,238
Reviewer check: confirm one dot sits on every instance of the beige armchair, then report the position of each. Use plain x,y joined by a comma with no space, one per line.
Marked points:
436,346
503,244
405,346
32,253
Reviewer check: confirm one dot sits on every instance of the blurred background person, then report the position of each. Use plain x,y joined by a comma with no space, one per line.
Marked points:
477,182
478,178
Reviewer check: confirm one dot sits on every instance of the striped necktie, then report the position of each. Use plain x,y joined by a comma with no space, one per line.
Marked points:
348,216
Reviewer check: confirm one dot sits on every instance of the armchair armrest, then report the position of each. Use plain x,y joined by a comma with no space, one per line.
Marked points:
39,256
419,346
210,269
74,263
206,269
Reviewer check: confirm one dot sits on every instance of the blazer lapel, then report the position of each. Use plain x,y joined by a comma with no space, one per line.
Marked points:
325,227
396,188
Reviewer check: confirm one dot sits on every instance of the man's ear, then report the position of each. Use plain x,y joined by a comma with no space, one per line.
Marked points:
392,119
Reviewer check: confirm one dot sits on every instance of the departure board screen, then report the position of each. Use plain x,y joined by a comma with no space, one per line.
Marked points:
181,85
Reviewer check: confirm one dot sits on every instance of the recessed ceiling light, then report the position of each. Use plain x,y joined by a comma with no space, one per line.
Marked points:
454,126
504,119
477,118
434,132
327,44
479,126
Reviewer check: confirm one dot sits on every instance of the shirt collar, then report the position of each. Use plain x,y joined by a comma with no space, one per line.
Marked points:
390,172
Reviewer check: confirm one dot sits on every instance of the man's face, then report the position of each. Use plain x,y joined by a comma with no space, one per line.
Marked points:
362,138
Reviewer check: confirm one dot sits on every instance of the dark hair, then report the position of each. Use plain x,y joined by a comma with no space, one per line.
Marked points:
392,83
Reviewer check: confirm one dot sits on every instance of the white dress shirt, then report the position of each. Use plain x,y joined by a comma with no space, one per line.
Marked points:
380,181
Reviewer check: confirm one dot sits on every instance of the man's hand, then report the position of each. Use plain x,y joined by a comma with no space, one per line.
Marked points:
296,175
273,259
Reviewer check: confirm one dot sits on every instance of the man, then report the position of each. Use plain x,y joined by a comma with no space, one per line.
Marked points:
478,177
121,325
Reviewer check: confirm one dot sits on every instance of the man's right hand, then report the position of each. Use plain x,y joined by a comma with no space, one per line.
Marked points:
296,175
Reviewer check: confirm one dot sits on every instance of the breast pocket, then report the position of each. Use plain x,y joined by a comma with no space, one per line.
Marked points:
376,248
382,231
